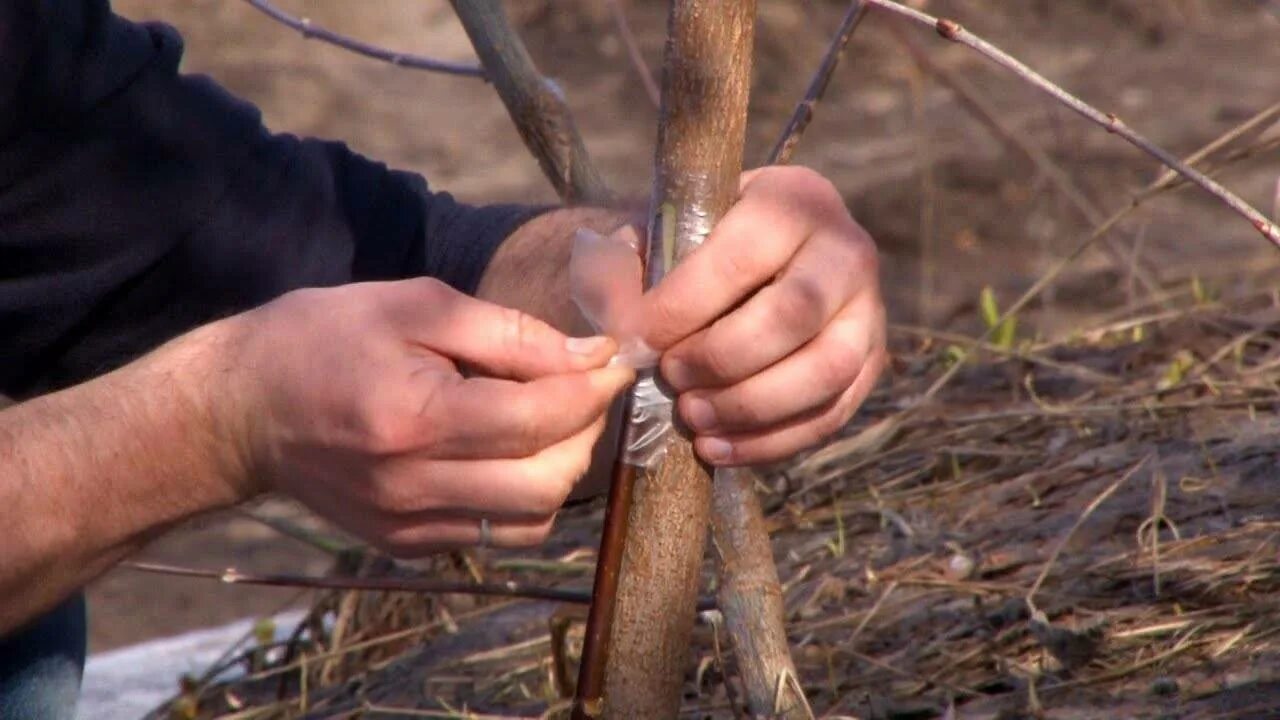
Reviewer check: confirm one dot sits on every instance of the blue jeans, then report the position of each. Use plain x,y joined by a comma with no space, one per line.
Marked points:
41,665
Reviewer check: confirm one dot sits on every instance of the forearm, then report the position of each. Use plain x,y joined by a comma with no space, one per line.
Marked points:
89,474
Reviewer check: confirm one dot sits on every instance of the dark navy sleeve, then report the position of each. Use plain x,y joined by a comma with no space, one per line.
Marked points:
137,203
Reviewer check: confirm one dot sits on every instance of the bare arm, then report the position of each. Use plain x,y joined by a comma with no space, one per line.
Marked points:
89,474
350,399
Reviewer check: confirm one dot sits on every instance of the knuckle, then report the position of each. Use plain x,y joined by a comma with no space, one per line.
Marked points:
387,496
865,256
520,331
719,360
740,266
800,305
427,292
666,318
382,432
528,430
839,362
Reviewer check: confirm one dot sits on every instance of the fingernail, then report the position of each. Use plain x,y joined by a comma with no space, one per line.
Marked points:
699,413
587,345
677,374
716,450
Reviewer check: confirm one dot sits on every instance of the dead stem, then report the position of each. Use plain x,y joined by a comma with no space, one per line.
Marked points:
633,50
954,32
310,30
1057,550
509,588
803,114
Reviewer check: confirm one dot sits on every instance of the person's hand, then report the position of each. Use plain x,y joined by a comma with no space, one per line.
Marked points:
763,376
356,405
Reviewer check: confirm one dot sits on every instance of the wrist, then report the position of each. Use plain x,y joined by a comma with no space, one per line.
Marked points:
201,396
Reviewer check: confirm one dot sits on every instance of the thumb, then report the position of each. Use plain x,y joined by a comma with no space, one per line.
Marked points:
499,341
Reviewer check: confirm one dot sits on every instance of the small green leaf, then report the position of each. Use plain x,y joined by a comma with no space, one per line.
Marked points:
1006,333
987,304
1183,361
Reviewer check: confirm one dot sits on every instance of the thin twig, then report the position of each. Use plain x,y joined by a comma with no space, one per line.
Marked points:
953,31
633,51
1057,550
980,108
509,588
310,30
803,114
1151,190
381,584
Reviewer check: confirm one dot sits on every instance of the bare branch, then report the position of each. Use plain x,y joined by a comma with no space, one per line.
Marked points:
312,31
535,104
633,51
510,588
800,119
953,31
972,99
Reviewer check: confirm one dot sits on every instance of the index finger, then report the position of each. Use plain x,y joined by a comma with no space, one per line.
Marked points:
491,418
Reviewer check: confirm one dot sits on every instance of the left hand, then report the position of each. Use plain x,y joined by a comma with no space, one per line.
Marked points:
773,332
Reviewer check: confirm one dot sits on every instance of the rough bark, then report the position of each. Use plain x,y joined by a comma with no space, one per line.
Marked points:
706,79
750,598
535,104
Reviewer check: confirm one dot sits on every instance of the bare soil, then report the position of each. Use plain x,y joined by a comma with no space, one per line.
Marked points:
952,209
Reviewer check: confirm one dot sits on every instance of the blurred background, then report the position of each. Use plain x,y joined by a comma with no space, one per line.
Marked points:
954,208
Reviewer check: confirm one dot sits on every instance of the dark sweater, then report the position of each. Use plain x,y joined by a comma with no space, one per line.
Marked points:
137,203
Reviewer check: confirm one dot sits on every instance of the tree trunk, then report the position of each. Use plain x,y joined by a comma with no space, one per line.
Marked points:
706,80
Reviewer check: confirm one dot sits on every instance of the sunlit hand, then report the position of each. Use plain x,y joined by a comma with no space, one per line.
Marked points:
356,405
762,379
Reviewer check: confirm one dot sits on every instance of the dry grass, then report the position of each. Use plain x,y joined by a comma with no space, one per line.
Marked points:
1092,531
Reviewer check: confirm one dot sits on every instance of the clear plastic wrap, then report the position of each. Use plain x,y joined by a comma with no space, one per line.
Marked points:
606,285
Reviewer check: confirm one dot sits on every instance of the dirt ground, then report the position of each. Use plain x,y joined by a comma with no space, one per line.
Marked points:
952,209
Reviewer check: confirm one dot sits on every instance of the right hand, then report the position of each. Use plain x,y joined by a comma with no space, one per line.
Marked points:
352,400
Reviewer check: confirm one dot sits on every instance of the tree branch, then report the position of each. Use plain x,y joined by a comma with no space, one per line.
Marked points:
510,588
535,104
803,114
312,31
972,100
953,31
633,51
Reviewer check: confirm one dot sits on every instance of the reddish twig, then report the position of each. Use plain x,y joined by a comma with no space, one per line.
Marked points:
633,51
953,31
803,114
604,591
312,31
